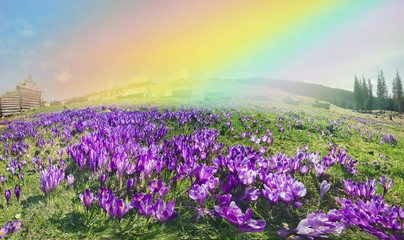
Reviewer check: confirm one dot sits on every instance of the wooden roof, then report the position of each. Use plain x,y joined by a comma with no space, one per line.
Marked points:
29,84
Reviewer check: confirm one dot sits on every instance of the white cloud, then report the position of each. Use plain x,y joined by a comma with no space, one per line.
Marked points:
63,75
27,32
21,26
46,64
48,43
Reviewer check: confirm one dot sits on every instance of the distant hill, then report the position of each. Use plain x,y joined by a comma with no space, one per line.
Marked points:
339,97
225,89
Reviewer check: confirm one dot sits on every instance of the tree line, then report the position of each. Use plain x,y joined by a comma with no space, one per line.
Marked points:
365,101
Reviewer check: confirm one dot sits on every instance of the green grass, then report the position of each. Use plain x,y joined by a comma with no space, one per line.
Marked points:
65,218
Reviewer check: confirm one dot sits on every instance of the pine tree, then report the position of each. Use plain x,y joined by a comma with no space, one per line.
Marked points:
398,93
364,94
369,100
381,91
357,94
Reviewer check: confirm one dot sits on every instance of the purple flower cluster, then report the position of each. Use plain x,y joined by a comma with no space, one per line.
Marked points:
364,209
236,216
283,187
51,178
10,227
108,202
135,145
317,224
159,210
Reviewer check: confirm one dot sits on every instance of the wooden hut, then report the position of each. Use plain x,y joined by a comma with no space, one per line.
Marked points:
27,95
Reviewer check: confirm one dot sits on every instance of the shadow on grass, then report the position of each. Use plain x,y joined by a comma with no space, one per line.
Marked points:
32,200
72,222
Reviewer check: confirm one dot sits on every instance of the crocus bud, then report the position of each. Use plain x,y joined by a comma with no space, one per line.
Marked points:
7,194
70,179
130,184
103,178
17,192
2,179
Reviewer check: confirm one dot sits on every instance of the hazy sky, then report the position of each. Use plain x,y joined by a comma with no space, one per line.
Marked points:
76,47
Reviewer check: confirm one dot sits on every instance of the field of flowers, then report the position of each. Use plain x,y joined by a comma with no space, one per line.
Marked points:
200,171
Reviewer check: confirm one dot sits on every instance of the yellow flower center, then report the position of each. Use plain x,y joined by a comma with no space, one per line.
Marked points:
122,208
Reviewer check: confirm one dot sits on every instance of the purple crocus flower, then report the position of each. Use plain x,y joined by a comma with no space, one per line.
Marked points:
401,213
164,190
324,187
349,187
146,206
137,199
155,186
320,168
103,178
203,173
304,168
103,196
224,201
198,193
315,225
17,191
2,180
12,170
251,226
247,177
286,195
121,165
236,216
148,165
87,198
60,152
121,208
7,194
17,225
271,194
251,194
70,179
22,176
131,169
298,190
129,185
163,212
387,184
243,221
6,229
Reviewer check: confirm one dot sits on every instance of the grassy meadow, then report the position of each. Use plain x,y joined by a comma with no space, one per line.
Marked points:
202,152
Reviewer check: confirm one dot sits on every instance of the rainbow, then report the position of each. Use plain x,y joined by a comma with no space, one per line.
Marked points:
163,40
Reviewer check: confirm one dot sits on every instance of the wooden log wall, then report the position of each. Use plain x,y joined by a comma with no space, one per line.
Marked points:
19,100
